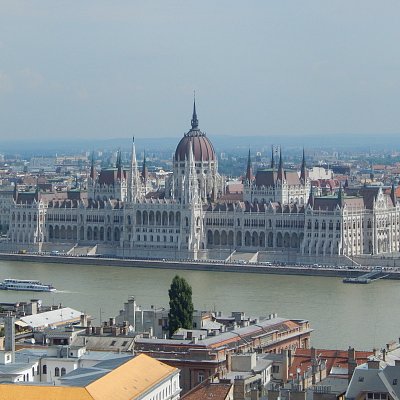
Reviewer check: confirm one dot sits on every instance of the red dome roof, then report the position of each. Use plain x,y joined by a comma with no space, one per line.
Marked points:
202,148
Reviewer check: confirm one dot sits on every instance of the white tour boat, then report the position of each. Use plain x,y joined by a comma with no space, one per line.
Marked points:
25,284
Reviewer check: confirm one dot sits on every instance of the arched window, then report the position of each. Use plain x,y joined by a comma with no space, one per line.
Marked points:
57,371
44,369
63,371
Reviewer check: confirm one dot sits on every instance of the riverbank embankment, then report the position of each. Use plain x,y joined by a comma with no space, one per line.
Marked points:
210,265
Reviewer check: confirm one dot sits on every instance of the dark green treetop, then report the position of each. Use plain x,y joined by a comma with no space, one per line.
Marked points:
180,305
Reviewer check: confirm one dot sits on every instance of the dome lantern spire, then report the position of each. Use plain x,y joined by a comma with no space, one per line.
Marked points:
195,121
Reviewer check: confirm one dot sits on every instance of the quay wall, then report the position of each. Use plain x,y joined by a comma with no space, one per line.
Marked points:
195,265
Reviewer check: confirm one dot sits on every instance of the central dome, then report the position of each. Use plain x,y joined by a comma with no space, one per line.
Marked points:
202,148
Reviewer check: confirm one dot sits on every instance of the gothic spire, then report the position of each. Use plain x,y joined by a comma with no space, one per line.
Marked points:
249,172
145,171
92,168
303,176
37,189
311,197
134,190
119,165
195,121
281,174
15,192
272,158
340,196
393,194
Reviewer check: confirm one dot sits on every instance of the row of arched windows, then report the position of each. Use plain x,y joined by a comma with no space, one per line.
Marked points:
156,218
57,371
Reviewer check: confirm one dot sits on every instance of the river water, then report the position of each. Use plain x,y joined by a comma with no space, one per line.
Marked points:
364,316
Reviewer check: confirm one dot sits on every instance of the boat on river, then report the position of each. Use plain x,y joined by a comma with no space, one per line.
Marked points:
26,285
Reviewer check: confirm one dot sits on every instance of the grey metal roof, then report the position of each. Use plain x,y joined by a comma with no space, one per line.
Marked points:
83,376
61,315
365,380
102,355
337,385
104,343
15,368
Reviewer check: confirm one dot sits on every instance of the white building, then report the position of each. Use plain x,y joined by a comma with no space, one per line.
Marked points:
192,218
69,373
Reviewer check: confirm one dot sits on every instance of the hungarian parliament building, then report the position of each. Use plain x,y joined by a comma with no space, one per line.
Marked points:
194,218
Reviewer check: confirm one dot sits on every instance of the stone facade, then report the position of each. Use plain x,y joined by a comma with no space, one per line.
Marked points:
192,218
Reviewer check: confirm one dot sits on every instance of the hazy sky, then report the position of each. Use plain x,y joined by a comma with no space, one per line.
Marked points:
121,68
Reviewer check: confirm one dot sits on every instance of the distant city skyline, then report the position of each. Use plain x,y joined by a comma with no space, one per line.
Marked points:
97,70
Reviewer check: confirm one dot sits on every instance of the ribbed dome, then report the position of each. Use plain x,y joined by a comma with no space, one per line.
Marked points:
202,148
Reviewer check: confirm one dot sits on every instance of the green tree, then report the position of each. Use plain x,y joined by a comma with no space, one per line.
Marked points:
180,305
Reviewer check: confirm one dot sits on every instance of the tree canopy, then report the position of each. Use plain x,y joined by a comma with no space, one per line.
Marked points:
180,305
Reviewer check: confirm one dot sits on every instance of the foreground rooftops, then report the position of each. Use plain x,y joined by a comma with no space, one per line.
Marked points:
123,379
262,327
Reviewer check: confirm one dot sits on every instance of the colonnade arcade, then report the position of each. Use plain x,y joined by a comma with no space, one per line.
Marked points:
254,239
84,233
161,218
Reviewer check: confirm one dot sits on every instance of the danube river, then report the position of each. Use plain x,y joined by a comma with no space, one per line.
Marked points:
363,316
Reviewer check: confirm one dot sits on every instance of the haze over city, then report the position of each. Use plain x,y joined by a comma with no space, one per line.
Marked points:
100,70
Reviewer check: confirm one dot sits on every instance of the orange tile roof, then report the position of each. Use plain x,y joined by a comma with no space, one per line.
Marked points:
127,382
131,379
33,392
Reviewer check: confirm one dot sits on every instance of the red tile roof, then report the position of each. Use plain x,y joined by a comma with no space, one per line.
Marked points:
214,391
334,358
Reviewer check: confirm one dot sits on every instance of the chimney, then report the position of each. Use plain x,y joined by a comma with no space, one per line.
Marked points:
290,357
9,335
84,321
313,354
254,395
351,354
373,363
314,365
352,363
228,362
285,364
